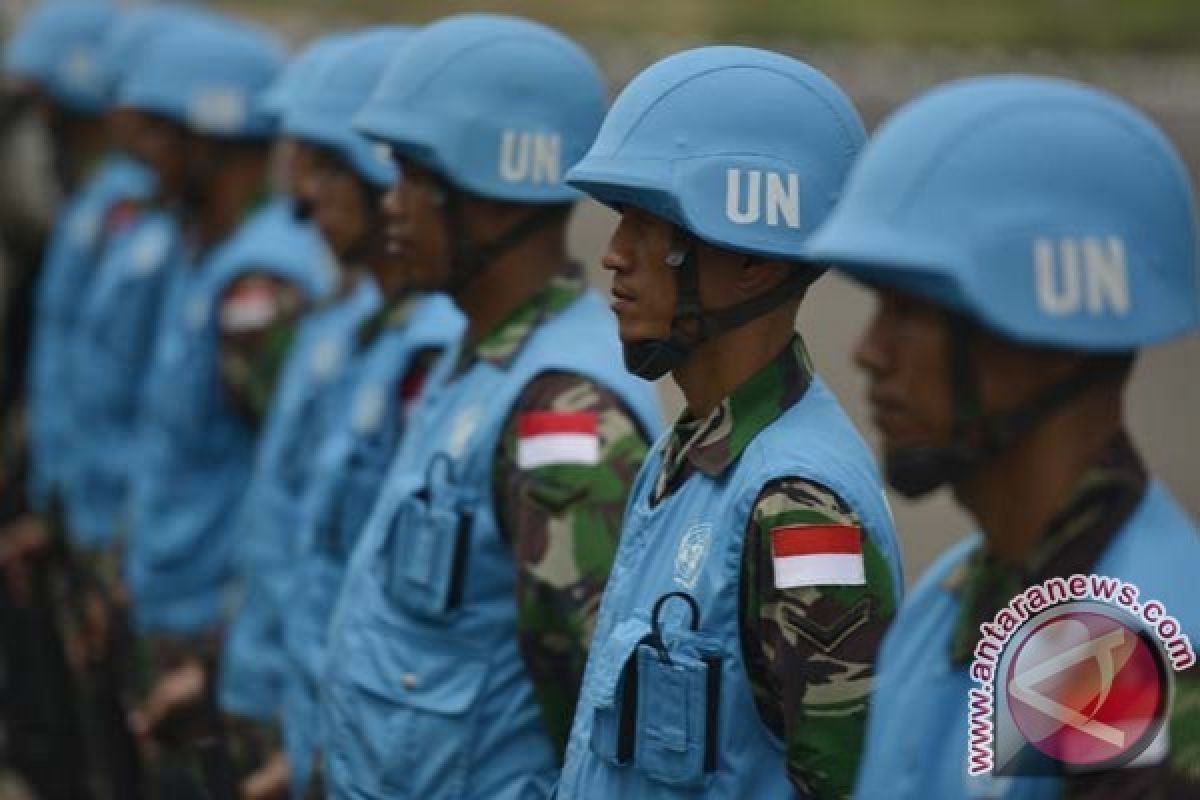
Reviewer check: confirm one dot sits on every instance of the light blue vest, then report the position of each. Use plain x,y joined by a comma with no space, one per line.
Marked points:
111,355
195,450
686,723
917,740
351,464
70,263
252,660
425,692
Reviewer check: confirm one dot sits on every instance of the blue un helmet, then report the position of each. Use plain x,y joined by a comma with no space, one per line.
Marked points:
321,111
742,148
1046,211
134,32
300,73
209,78
1051,212
58,48
497,107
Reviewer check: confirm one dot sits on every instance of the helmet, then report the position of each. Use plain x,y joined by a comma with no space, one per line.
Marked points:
208,78
498,106
299,73
133,33
1050,212
322,110
744,148
58,47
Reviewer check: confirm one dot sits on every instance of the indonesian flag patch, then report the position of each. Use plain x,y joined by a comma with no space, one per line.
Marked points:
817,555
554,438
250,306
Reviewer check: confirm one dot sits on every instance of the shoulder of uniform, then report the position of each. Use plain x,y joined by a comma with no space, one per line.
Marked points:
567,419
811,535
258,300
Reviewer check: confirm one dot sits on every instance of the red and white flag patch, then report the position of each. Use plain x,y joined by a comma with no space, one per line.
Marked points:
817,555
552,438
250,306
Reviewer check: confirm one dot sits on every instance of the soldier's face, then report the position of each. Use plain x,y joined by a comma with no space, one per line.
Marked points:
414,231
339,202
296,164
161,145
905,354
643,287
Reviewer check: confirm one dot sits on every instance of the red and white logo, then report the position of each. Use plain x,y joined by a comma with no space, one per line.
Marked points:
1087,689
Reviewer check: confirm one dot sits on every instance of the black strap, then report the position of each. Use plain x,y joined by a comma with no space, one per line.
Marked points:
978,436
693,325
468,258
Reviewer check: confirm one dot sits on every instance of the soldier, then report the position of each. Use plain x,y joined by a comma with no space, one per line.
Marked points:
758,566
346,370
458,641
108,354
246,272
54,59
364,415
1024,237
250,670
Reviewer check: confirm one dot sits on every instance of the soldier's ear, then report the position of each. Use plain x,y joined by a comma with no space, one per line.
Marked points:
757,275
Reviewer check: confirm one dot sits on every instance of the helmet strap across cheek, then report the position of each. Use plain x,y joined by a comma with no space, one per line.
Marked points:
365,247
979,437
692,326
470,259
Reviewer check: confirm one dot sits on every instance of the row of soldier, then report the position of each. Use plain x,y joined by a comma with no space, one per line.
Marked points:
350,487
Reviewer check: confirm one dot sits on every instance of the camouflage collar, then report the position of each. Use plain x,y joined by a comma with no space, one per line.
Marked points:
500,345
394,314
711,445
1105,497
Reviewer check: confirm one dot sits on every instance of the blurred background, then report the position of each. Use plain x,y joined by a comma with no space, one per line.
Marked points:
882,52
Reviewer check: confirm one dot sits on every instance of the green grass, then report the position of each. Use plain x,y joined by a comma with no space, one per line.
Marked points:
1056,24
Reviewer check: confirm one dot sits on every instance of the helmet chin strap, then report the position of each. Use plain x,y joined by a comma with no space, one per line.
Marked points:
360,251
976,437
470,259
692,326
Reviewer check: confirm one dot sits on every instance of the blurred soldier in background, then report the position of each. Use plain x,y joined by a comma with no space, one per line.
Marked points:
1025,238
459,638
332,465
109,356
26,210
55,57
246,271
758,567
340,185
251,667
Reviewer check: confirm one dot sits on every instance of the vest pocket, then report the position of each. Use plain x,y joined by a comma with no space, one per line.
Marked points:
427,559
655,705
403,711
671,718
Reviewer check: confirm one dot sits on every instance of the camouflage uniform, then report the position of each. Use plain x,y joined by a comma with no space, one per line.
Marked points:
1073,542
253,348
563,521
252,355
809,650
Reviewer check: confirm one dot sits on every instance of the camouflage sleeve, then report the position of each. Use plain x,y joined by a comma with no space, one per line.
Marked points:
1176,777
810,649
257,317
564,521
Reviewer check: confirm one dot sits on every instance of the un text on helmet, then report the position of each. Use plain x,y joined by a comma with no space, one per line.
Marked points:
528,157
749,192
1076,274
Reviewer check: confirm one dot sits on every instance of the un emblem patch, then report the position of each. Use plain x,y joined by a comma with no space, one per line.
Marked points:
692,553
